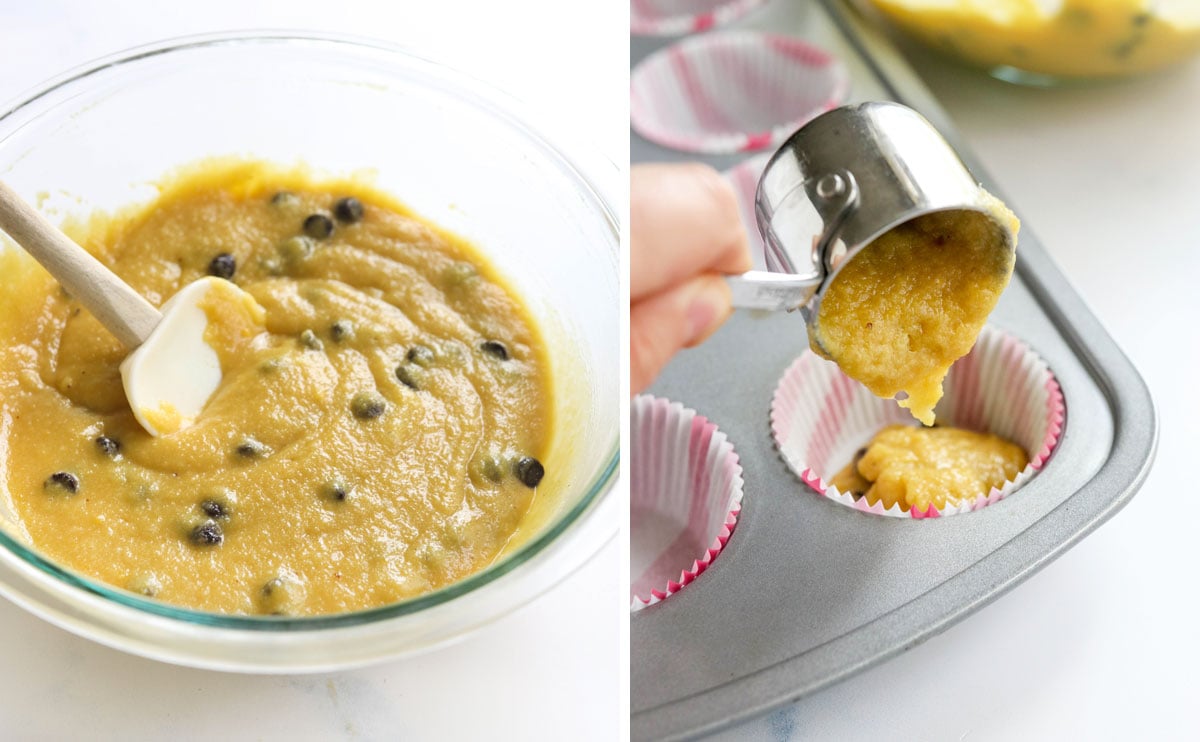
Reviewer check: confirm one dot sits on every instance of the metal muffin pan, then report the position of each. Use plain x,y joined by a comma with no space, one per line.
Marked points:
807,592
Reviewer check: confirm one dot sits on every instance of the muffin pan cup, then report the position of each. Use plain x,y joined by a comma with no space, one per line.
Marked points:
674,17
685,493
732,91
820,417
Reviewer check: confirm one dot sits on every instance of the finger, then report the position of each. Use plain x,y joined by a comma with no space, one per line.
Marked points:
680,317
684,221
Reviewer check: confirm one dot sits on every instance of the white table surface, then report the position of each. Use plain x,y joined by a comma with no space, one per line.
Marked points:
1103,643
553,669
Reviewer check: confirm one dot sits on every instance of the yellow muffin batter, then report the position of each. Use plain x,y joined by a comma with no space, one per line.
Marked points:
381,439
1070,38
919,467
913,302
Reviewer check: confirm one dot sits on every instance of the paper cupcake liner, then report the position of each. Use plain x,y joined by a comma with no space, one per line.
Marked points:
744,178
677,17
685,493
733,91
820,417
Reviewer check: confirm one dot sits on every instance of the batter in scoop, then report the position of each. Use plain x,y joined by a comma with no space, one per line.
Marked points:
912,302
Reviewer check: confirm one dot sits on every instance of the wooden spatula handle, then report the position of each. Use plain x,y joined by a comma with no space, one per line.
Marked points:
118,307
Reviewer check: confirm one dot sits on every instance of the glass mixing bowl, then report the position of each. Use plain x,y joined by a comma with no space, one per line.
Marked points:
457,152
1047,41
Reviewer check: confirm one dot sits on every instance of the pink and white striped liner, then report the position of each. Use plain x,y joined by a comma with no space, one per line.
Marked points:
733,91
685,494
744,179
820,417
677,17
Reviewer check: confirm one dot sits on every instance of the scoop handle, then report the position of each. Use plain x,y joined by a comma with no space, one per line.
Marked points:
118,307
776,292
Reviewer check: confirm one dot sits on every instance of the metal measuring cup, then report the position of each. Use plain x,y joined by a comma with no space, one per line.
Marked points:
845,178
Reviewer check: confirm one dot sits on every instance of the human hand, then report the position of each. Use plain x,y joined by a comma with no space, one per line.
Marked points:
685,234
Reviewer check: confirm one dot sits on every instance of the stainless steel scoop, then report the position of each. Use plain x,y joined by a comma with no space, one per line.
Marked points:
845,178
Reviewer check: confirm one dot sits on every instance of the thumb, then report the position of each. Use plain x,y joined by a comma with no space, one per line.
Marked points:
680,317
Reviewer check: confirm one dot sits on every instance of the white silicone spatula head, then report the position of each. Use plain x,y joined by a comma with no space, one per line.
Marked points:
169,378
173,370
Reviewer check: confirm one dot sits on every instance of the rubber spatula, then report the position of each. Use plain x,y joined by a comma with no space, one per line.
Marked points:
172,370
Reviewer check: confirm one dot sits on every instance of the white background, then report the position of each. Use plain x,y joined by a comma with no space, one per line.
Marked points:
550,671
1104,643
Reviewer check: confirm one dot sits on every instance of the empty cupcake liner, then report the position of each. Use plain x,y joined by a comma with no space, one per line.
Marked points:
685,494
733,91
676,17
744,179
820,417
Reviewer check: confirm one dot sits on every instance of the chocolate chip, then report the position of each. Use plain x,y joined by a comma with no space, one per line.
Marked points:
252,448
318,226
62,480
207,533
421,355
341,330
495,349
529,470
411,376
296,249
110,447
214,509
309,340
337,490
348,210
223,266
491,468
368,405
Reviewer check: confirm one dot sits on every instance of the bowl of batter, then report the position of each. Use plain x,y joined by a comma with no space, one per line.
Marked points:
423,437
1046,41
